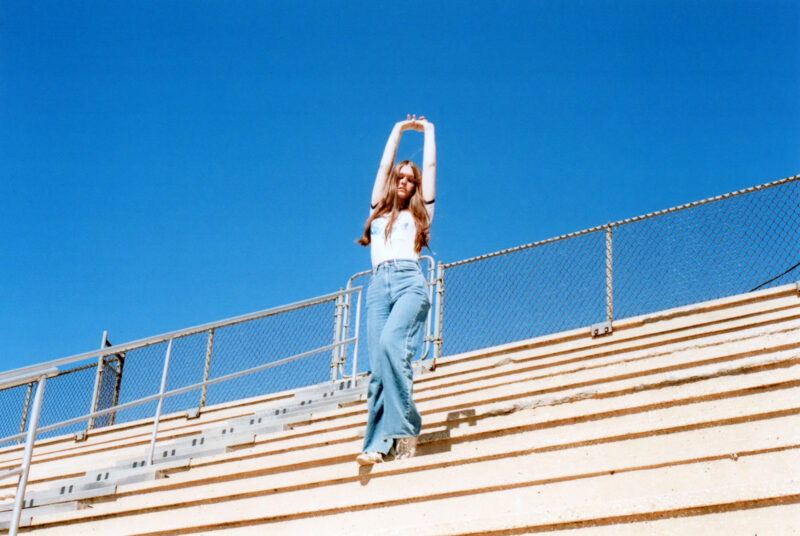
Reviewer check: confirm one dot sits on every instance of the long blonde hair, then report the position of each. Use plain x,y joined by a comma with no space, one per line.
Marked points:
391,204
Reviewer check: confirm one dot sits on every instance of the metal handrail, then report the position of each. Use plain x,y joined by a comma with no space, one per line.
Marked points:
10,472
625,221
40,373
27,377
345,322
30,438
156,339
188,388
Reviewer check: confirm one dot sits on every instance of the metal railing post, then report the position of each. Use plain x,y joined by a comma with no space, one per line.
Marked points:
430,283
609,276
97,379
206,368
355,335
345,328
336,354
19,498
345,323
160,403
437,328
24,417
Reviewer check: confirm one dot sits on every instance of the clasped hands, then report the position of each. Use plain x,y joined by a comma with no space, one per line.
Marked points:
412,123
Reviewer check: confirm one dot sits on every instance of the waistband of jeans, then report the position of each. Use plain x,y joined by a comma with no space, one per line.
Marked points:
396,263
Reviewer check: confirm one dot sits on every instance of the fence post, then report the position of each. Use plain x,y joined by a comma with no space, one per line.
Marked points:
609,276
160,403
336,353
356,335
427,336
117,384
97,379
25,406
19,498
206,367
437,328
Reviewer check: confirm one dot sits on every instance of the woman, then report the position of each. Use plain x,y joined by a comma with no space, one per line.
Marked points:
397,299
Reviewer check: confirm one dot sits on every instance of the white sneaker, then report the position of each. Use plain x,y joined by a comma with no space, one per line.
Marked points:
368,458
405,447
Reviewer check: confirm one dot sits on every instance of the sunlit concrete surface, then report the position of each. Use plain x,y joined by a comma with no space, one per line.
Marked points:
685,421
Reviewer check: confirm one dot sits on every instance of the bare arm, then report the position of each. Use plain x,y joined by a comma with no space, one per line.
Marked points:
428,162
390,151
387,160
386,164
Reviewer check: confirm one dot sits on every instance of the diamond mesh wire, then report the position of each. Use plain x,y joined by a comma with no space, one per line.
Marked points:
141,377
108,390
185,368
67,396
529,292
12,400
137,374
721,248
715,248
710,249
142,372
256,342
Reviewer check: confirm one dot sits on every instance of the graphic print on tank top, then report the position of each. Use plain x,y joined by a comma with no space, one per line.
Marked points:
400,243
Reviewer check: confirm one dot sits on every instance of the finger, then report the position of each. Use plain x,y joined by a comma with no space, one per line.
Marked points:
408,117
414,117
422,118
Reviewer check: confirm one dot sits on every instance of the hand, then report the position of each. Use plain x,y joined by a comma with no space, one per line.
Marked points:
408,124
412,123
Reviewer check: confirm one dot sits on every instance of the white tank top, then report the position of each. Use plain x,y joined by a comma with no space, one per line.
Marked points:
400,244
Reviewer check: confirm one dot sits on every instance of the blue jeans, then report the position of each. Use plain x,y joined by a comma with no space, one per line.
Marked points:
397,304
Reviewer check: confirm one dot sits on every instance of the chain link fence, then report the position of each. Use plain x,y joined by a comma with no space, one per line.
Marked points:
722,246
196,355
713,248
731,245
266,340
15,404
549,287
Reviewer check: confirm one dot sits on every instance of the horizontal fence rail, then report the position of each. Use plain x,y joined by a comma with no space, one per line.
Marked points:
268,341
40,377
716,247
720,246
702,250
92,391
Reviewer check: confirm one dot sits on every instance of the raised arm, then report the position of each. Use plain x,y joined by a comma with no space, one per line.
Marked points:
390,151
428,162
387,160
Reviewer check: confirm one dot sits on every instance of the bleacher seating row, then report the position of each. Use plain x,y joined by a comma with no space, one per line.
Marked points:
683,421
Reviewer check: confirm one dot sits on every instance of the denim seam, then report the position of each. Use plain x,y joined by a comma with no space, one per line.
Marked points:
410,382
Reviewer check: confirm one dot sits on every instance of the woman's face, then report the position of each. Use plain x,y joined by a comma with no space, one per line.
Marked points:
405,184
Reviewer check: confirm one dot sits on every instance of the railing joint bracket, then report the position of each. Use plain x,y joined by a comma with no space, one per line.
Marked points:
601,329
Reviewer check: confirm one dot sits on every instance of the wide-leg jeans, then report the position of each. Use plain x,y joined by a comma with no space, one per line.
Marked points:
397,304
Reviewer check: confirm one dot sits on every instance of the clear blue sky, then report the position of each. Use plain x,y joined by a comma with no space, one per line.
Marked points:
164,164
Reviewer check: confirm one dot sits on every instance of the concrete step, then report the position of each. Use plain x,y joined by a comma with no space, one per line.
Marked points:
668,421
698,477
530,361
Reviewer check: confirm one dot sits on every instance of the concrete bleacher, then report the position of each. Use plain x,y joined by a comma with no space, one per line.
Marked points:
683,421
